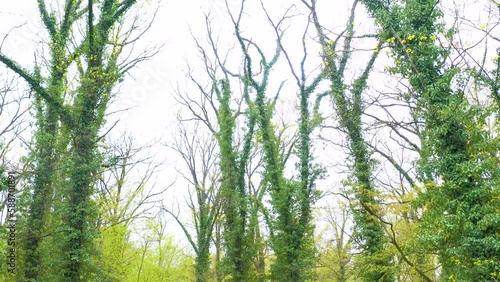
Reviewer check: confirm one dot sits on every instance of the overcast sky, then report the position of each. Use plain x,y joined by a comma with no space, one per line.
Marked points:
149,88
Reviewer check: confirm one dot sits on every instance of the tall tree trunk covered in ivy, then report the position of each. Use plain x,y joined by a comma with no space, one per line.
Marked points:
290,215
46,140
458,221
45,162
349,111
238,257
83,120
237,234
94,92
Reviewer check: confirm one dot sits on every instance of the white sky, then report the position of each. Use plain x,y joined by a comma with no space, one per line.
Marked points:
149,87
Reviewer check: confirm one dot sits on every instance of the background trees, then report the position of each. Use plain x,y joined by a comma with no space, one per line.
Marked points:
199,154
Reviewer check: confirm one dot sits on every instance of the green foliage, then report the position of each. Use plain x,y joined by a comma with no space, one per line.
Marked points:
239,255
154,258
81,123
451,149
292,239
369,233
163,263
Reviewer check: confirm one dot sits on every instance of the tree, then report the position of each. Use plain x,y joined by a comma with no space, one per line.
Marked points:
292,200
77,112
458,201
199,153
215,111
126,195
335,251
238,122
348,103
159,257
46,159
